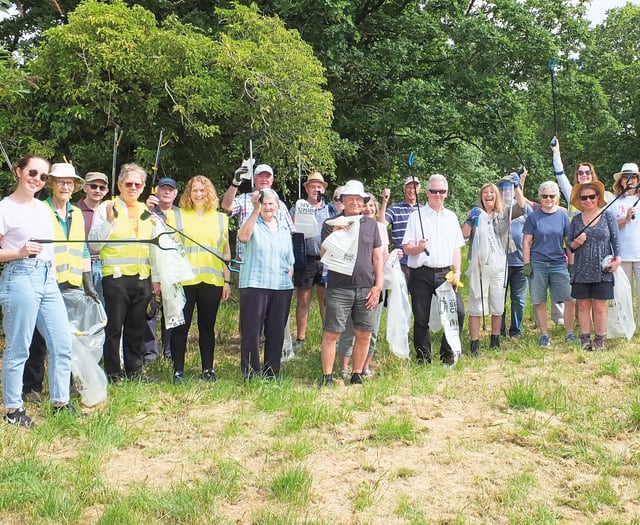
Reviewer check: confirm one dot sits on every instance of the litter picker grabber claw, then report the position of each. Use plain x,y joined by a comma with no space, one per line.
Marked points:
411,161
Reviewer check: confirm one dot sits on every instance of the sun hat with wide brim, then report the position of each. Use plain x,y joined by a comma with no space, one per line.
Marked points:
628,168
354,187
594,184
315,177
64,170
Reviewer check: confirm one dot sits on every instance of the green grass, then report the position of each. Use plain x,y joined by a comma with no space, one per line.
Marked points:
520,435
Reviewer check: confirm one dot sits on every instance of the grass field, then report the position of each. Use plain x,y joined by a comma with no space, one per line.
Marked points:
520,435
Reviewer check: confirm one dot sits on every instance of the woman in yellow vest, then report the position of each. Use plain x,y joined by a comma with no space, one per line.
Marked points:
72,262
126,273
199,219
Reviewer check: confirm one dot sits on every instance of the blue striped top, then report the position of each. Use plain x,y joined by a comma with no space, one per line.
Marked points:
267,258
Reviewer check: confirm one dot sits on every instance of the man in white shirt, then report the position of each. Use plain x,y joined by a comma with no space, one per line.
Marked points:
432,241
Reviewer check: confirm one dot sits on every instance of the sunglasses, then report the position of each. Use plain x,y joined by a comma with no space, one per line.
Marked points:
136,185
547,196
591,197
437,192
34,173
584,172
97,187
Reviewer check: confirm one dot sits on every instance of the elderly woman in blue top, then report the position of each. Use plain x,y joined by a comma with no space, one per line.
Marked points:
266,285
545,260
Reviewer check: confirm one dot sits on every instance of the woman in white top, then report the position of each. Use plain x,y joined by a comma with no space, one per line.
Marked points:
626,210
29,293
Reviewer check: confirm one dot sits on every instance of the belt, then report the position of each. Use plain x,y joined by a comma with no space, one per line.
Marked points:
95,258
314,257
444,268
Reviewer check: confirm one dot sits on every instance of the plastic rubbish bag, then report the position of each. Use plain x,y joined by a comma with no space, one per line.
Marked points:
172,267
447,307
398,307
87,320
620,320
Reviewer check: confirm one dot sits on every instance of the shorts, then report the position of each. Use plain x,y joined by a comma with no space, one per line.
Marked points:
342,303
311,275
552,277
602,290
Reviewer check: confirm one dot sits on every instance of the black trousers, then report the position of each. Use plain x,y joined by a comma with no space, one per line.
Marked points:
33,375
207,298
126,300
262,309
423,282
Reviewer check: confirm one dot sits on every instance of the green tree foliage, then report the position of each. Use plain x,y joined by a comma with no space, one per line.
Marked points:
612,57
112,64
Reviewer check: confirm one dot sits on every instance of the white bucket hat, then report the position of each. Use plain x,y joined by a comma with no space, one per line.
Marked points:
354,187
64,170
628,168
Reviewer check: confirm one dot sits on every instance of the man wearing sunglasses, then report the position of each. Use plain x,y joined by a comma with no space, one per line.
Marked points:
96,187
432,241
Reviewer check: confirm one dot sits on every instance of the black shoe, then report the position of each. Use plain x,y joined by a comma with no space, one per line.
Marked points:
423,356
327,380
475,347
114,379
33,396
447,359
178,377
67,409
495,341
209,376
356,379
19,418
142,378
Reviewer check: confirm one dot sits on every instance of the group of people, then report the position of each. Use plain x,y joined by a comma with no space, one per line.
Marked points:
340,246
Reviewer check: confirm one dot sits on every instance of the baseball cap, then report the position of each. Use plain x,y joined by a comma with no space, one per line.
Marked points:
96,175
167,181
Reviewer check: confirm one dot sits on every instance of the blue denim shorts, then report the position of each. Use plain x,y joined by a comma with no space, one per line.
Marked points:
342,303
552,277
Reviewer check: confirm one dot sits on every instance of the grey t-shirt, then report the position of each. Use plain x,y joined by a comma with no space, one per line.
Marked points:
363,275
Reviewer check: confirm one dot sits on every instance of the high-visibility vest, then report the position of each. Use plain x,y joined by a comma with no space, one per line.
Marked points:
128,258
68,257
210,230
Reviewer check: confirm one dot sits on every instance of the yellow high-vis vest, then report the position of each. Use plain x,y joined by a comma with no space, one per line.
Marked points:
210,230
68,257
128,258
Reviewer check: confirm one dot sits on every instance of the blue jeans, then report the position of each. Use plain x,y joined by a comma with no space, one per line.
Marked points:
517,286
30,297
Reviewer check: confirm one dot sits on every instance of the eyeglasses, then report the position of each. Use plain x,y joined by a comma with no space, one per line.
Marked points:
591,197
437,192
34,173
136,185
64,183
584,172
97,187
547,196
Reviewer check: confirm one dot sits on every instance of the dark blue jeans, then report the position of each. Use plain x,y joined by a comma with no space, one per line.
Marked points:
517,286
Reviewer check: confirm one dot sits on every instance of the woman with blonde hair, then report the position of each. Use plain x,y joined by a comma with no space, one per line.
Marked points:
488,227
199,219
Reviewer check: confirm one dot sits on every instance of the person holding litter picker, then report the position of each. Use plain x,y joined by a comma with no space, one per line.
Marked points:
29,293
593,237
488,228
433,241
626,210
584,172
126,273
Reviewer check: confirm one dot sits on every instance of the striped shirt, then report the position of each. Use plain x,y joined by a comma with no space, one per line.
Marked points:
268,258
397,216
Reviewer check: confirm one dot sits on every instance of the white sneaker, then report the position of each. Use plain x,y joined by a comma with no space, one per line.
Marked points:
287,355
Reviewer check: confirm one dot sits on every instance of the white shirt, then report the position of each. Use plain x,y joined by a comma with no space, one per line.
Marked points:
443,233
629,234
